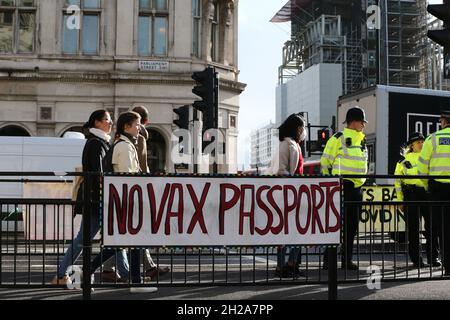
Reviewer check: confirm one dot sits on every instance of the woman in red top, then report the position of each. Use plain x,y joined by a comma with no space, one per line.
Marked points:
289,161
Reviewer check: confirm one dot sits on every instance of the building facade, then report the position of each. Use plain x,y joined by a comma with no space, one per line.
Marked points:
62,59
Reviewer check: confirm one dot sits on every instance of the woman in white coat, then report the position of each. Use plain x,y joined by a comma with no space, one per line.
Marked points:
289,161
125,160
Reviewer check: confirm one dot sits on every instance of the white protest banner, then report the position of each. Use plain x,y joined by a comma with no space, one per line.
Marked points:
216,211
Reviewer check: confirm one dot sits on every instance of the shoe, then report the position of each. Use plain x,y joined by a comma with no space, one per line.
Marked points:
436,263
350,265
111,276
419,265
281,273
294,271
155,272
64,281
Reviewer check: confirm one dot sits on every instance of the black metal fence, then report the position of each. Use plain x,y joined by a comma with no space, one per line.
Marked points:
37,227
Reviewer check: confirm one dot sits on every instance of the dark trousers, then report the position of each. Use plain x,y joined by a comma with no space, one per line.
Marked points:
441,218
414,213
350,221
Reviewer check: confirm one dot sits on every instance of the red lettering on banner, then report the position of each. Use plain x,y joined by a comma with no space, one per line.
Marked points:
156,218
303,189
131,229
176,187
198,206
316,206
279,227
263,206
331,189
288,207
121,209
264,210
251,213
225,205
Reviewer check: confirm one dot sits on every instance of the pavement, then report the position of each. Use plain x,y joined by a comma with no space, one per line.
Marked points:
399,290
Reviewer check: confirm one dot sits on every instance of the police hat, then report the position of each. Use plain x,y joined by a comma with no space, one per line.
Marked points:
445,113
355,114
415,137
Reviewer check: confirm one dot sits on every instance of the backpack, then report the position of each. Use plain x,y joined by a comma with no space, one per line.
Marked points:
107,160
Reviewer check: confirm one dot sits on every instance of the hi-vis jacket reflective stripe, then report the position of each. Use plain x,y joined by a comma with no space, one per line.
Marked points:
434,159
407,167
339,158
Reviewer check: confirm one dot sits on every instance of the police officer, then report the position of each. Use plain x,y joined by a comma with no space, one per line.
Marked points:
346,154
415,190
434,161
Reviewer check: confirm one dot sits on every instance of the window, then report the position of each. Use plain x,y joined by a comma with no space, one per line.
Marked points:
214,39
17,26
196,27
85,39
46,113
153,25
232,121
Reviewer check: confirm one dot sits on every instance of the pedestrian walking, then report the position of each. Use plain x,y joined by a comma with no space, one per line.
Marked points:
289,161
99,127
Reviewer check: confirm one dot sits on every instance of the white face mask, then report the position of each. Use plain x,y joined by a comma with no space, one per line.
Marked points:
303,136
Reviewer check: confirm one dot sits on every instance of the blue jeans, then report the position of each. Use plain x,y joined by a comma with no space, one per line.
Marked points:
74,251
122,262
294,255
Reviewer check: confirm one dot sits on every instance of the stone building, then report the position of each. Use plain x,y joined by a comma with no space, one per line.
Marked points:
62,59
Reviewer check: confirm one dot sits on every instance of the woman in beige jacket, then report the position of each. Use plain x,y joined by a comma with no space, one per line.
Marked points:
125,160
289,161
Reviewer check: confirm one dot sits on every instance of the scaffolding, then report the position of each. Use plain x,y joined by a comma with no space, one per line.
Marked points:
392,55
402,34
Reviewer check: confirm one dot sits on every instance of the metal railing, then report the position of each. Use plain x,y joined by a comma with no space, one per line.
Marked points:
36,232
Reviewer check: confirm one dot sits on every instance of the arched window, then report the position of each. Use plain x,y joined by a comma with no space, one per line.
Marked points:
156,152
13,131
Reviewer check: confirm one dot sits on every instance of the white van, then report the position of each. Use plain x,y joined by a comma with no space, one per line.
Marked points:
36,154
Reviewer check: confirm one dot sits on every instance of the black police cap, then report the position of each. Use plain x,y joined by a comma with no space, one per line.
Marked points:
445,113
415,137
355,114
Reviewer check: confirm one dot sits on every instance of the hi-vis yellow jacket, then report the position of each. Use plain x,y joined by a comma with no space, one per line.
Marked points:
346,153
434,159
407,166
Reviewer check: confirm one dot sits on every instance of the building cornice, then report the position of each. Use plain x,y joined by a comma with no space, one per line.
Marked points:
181,79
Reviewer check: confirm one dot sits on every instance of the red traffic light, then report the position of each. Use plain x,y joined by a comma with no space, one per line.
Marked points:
322,136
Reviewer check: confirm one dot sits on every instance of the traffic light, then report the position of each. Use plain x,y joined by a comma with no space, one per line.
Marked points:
322,137
442,37
207,90
183,117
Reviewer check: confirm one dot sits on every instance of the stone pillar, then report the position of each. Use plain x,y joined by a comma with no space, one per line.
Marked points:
226,28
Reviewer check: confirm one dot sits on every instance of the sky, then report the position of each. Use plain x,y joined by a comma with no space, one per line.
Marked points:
260,55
